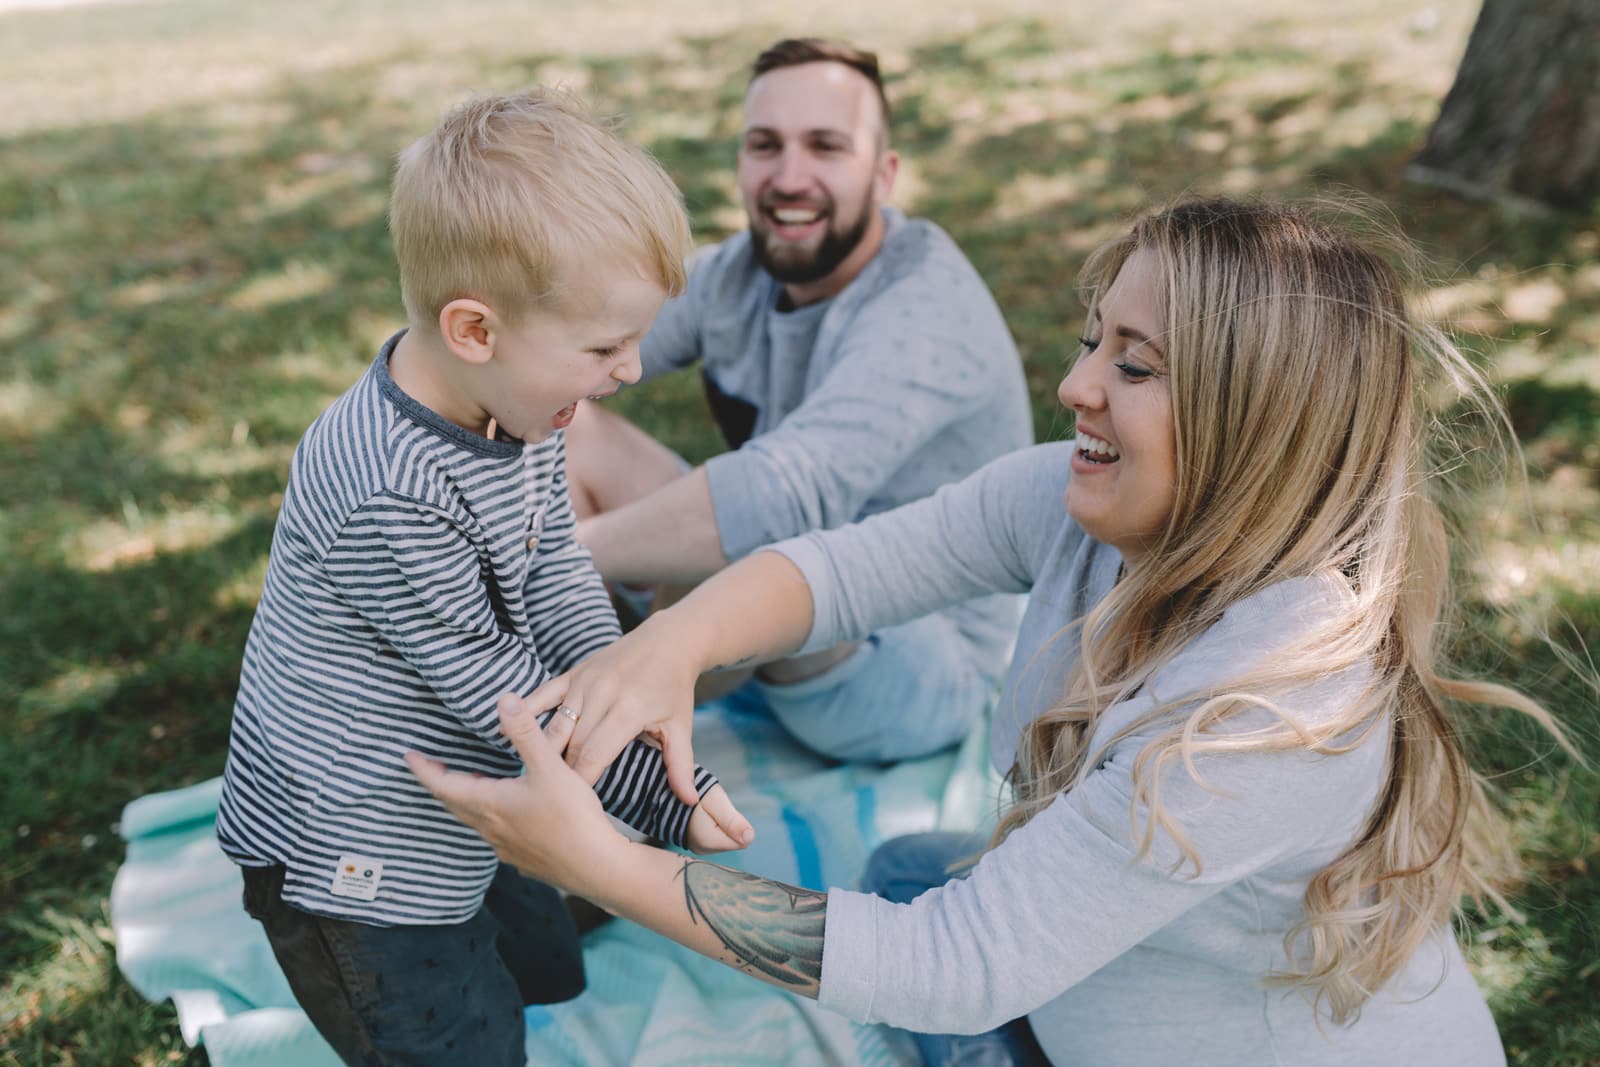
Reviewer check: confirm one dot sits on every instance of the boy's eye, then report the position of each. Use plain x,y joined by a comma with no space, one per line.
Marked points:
607,352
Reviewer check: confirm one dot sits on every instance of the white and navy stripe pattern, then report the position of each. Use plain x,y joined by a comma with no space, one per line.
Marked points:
401,599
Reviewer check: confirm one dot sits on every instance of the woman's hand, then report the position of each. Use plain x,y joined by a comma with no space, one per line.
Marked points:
756,610
641,684
547,823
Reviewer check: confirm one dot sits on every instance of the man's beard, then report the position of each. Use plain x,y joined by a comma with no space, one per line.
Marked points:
797,266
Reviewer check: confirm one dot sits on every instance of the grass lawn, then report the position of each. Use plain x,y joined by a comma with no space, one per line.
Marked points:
195,262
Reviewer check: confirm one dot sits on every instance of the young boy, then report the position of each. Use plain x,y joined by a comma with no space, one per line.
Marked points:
423,565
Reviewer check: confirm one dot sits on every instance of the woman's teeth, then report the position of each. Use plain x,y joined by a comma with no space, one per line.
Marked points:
1103,451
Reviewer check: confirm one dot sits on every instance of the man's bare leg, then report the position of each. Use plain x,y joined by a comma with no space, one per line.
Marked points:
714,684
610,464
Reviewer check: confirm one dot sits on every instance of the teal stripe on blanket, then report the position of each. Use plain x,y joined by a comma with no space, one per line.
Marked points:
807,858
182,933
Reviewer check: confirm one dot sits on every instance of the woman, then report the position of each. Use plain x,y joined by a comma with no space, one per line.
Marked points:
1242,817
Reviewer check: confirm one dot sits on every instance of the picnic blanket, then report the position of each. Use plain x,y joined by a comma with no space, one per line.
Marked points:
182,933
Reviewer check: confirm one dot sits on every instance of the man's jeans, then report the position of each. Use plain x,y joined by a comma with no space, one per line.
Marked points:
905,691
901,870
425,995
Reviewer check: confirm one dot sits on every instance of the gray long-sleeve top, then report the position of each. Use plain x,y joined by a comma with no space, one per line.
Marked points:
1117,961
906,380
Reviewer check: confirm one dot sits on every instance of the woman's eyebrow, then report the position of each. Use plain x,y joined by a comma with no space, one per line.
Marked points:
1131,334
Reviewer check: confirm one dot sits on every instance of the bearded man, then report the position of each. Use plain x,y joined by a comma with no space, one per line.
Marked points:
854,361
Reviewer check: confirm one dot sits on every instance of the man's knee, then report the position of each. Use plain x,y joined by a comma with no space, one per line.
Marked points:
611,462
896,697
846,730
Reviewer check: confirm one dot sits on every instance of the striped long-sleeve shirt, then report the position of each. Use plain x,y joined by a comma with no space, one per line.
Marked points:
417,572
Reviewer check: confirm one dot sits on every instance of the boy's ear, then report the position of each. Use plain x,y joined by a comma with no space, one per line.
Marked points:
468,329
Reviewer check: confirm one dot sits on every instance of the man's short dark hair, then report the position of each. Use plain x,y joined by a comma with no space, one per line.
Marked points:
796,51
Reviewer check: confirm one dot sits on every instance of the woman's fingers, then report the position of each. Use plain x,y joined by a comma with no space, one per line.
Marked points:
559,727
678,754
463,794
549,694
520,725
597,739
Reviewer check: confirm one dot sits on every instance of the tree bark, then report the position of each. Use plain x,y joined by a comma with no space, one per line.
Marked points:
1521,124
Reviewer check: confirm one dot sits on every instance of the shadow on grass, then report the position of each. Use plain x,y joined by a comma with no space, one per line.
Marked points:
1546,1010
195,288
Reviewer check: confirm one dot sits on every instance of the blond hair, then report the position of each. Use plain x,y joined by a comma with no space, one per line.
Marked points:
511,196
1298,379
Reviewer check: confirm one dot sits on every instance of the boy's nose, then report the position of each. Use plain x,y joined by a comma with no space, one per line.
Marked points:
629,370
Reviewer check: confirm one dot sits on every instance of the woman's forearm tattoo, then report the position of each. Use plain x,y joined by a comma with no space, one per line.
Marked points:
769,927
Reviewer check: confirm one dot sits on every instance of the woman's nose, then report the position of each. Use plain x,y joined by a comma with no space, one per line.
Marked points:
1079,389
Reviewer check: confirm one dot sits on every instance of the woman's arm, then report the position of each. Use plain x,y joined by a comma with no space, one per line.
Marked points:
548,824
756,610
980,536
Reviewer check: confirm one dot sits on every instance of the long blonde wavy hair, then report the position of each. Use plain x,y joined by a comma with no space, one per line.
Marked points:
1298,381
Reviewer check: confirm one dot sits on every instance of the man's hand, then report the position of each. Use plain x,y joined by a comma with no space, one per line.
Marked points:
642,684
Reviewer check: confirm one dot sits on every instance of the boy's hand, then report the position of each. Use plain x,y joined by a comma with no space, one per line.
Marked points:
642,684
717,826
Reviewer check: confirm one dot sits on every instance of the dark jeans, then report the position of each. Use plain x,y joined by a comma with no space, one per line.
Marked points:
901,870
421,995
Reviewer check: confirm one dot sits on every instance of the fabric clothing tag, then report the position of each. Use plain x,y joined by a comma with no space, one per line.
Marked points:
356,877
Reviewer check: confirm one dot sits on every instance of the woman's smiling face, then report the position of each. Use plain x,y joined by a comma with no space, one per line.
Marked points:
1124,468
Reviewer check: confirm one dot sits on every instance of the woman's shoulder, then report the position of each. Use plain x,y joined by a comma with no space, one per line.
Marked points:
1289,609
1269,643
1036,468
1023,492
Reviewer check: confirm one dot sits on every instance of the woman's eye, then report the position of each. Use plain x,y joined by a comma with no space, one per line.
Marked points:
1089,344
1133,373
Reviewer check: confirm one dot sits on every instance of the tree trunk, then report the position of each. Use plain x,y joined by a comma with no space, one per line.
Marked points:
1521,124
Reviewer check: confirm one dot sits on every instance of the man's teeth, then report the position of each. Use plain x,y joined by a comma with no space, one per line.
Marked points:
790,217
1096,447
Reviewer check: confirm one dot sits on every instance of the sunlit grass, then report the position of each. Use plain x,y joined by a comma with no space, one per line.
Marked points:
192,209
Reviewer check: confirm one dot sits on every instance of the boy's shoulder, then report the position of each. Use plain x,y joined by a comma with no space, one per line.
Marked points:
348,442
363,447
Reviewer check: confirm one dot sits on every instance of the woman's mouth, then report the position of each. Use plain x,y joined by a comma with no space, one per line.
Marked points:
1096,450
